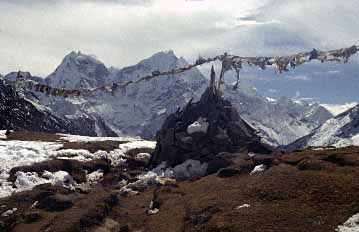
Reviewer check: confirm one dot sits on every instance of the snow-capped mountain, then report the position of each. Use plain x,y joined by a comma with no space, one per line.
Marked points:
141,109
138,110
27,75
279,122
337,109
340,131
78,70
20,113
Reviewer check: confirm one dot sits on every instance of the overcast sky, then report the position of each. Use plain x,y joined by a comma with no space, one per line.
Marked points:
35,35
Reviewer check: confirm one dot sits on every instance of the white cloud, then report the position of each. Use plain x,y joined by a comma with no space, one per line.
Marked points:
36,36
300,78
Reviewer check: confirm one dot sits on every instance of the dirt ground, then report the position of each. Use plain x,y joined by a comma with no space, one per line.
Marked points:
309,190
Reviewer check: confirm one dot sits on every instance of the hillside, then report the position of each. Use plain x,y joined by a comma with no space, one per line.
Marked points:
307,190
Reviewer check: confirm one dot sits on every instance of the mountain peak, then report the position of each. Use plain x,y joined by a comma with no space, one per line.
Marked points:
79,58
161,61
78,70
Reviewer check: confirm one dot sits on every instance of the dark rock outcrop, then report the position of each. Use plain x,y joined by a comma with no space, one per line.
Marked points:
19,113
202,130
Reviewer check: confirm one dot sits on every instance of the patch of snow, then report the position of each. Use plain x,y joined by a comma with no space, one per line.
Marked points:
143,156
160,112
148,179
161,174
326,133
118,156
243,206
351,225
94,177
59,178
337,109
152,210
27,181
251,154
84,139
2,134
258,168
128,190
20,153
8,212
78,154
188,169
201,125
271,100
125,147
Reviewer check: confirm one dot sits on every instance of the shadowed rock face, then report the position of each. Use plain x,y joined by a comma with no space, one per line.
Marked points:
19,113
219,129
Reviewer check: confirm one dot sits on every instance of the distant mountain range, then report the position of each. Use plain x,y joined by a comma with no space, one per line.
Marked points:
141,109
340,131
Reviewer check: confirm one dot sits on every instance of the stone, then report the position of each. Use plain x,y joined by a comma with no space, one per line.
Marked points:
32,217
217,163
263,159
56,202
170,136
229,172
314,165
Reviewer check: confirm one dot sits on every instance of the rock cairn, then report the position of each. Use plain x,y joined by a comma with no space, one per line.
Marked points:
203,129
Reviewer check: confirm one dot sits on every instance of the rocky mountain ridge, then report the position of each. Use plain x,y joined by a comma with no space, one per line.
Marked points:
20,113
340,131
141,109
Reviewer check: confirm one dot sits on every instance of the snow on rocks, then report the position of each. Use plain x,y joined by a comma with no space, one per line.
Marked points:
152,210
83,139
125,147
163,174
337,109
258,168
243,206
351,225
80,154
189,169
20,153
2,134
24,153
26,181
94,177
199,126
340,131
141,156
118,156
8,212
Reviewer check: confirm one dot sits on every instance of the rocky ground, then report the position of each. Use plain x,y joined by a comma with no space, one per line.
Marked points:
315,189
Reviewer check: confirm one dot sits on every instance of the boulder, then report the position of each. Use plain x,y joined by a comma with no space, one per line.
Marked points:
229,172
314,165
56,202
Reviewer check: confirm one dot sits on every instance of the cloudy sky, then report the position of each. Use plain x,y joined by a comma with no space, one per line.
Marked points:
35,35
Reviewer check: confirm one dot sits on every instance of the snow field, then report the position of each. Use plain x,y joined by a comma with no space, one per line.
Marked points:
20,153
